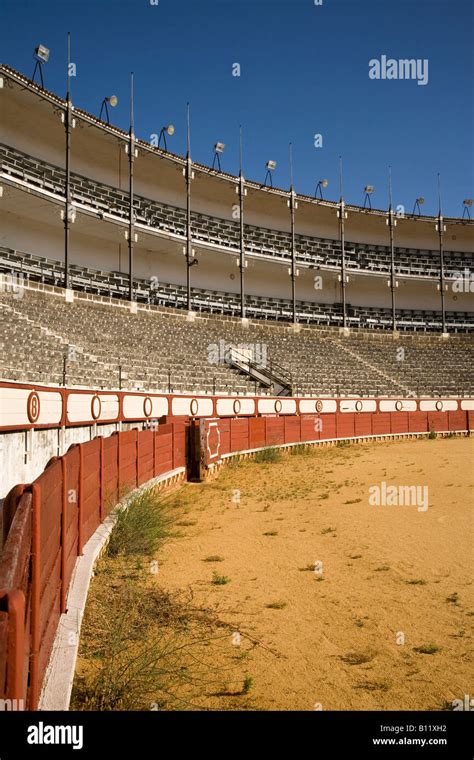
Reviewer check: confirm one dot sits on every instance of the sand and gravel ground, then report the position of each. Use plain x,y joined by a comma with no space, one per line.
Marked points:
385,622
324,600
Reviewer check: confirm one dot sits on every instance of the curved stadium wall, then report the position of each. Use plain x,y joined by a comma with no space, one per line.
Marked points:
285,273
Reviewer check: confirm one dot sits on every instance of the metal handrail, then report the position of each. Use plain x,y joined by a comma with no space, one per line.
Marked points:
281,375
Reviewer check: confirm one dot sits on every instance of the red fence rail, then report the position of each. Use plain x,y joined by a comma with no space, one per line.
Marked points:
220,437
47,523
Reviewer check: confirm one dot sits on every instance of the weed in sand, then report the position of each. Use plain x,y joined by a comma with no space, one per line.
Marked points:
358,658
268,455
427,649
219,580
141,527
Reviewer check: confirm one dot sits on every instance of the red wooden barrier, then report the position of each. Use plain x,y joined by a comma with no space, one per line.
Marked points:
179,444
256,432
163,449
12,642
292,429
458,420
128,459
381,423
145,458
49,521
274,431
46,568
363,424
399,422
110,479
239,435
438,421
90,488
418,422
328,426
70,537
224,432
345,425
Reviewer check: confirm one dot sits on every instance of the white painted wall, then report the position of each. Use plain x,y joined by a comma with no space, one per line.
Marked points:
24,455
31,224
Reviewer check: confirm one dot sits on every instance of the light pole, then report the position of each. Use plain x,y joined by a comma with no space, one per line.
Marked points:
440,227
293,206
68,125
342,214
131,217
242,263
391,221
189,174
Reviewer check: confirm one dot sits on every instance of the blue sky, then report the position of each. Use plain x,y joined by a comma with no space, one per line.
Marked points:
304,71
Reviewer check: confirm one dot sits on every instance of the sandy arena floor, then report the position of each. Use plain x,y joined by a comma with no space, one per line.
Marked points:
386,623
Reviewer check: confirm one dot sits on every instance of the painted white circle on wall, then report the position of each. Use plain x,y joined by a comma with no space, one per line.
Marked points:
147,406
33,407
96,407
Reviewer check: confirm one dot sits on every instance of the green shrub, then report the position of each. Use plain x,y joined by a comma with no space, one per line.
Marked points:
269,454
219,580
141,527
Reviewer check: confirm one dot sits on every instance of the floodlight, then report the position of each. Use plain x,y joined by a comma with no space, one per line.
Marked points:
418,202
368,190
112,101
168,130
270,167
467,203
322,183
219,148
41,55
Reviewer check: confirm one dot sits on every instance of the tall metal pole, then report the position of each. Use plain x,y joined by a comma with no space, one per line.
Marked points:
342,217
293,206
189,174
242,192
67,189
441,229
391,223
131,218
